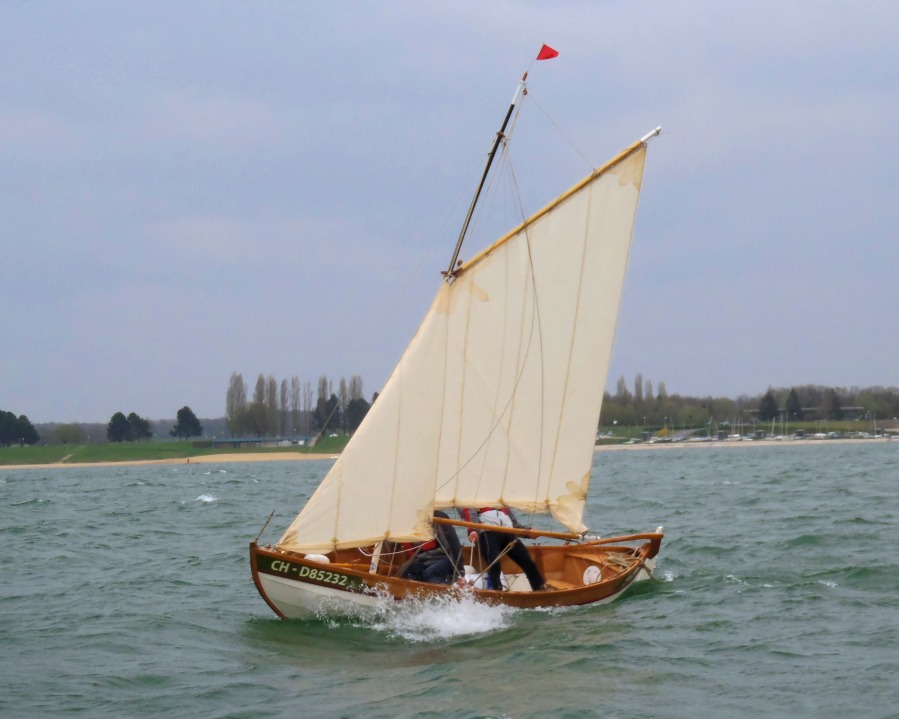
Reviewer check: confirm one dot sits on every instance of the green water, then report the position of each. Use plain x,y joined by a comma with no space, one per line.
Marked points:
126,593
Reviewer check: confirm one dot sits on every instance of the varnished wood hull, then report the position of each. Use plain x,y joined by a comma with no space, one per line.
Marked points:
295,585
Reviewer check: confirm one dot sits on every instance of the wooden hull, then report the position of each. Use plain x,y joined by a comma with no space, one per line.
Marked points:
595,572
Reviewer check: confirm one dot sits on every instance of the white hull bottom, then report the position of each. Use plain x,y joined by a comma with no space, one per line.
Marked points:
646,570
297,600
300,600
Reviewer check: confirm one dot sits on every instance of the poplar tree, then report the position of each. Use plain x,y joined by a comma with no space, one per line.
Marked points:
236,404
271,406
283,410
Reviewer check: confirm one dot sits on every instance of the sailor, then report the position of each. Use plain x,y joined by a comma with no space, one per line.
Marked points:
439,560
493,544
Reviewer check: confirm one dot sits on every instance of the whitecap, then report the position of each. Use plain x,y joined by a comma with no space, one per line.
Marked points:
206,498
666,576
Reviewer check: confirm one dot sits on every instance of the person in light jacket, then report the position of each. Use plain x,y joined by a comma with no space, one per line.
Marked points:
492,544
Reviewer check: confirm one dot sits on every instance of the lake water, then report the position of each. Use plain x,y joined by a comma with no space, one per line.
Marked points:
126,592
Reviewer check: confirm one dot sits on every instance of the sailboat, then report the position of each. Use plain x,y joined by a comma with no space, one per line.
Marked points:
494,403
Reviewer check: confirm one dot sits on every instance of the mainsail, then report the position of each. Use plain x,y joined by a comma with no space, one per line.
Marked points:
497,398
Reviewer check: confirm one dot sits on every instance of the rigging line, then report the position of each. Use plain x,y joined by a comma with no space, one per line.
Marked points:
505,161
425,256
503,170
395,552
492,180
564,135
527,235
490,201
503,552
451,270
535,321
508,135
492,184
507,171
502,414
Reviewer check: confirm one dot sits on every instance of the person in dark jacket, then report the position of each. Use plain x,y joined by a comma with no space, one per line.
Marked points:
493,544
438,561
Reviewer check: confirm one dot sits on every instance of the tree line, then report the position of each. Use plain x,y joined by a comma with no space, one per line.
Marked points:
286,409
643,404
135,428
16,430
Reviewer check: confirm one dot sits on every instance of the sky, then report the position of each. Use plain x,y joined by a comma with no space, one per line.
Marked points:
193,189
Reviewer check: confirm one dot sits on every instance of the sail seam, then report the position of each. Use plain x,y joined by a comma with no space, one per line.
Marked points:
585,240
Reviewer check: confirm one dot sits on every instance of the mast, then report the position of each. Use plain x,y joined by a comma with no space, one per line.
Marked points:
450,273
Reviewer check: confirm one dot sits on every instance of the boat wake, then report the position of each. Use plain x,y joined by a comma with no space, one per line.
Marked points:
423,620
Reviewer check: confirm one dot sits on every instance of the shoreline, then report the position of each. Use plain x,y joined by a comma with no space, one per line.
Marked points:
199,459
305,457
806,442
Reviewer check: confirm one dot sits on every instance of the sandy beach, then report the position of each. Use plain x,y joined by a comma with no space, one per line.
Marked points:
303,457
202,459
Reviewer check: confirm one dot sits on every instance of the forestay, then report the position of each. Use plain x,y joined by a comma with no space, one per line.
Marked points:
497,398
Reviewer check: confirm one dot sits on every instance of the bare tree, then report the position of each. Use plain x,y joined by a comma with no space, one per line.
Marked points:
638,387
321,402
355,387
324,389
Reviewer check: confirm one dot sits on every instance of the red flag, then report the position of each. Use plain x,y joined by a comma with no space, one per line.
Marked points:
547,53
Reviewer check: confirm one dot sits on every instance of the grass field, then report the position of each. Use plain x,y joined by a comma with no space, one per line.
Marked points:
134,451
